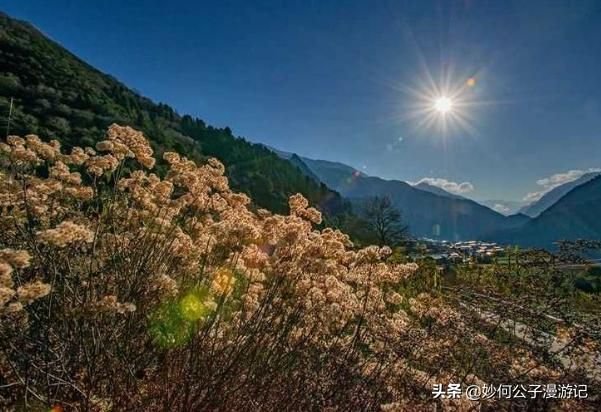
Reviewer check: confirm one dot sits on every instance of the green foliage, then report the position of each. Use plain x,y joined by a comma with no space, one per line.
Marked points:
590,281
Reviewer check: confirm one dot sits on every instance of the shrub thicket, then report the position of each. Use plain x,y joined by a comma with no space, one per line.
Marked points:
121,290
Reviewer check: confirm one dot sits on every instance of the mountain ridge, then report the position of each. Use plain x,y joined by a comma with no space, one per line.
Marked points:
58,95
429,213
574,216
534,209
436,190
505,207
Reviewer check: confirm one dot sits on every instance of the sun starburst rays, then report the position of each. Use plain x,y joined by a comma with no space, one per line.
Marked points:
445,105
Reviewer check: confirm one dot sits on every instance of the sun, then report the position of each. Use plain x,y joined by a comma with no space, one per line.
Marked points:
446,105
443,104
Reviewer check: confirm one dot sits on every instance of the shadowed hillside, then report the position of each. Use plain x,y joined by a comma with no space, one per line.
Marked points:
574,216
57,95
550,198
429,211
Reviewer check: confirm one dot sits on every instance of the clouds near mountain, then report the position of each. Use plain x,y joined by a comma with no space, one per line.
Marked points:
551,182
573,216
501,208
447,185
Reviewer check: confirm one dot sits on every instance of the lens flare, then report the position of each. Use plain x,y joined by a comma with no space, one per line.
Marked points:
175,321
192,308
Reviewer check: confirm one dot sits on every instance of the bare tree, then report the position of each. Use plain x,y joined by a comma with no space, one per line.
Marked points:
385,221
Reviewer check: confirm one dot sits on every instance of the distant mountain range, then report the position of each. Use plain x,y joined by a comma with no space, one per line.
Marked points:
433,212
429,210
550,198
436,190
576,215
505,207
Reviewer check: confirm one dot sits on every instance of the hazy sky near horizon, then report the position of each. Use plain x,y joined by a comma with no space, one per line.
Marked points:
329,79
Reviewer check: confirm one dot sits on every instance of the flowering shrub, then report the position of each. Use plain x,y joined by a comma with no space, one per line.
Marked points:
124,290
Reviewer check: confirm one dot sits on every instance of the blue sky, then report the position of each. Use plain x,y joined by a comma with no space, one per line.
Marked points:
328,79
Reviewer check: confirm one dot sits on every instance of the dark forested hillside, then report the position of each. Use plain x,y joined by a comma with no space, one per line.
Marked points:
56,95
